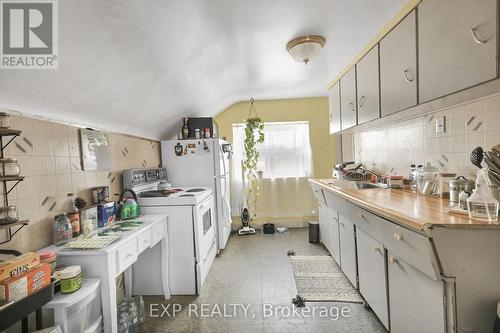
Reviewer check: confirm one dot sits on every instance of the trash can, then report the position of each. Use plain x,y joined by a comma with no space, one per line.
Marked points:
313,232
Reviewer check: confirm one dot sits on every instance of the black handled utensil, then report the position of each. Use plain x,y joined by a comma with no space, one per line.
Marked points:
476,157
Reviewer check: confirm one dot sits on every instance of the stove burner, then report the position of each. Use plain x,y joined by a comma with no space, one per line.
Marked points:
159,193
186,195
195,190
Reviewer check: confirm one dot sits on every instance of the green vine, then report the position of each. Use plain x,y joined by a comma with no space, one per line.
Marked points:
254,134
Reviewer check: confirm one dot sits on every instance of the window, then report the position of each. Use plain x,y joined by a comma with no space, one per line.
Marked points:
285,153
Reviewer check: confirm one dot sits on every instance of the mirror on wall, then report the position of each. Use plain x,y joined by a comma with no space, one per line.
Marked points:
95,150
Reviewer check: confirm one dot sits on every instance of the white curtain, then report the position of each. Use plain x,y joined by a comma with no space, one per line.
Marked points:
285,154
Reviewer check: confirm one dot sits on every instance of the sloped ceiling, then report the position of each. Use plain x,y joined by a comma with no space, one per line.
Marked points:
136,67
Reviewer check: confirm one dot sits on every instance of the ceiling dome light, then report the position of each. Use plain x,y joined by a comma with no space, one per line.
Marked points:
305,48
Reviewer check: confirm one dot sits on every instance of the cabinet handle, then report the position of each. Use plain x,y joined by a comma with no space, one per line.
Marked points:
361,216
128,255
398,236
376,248
351,105
406,77
476,38
393,260
362,101
144,241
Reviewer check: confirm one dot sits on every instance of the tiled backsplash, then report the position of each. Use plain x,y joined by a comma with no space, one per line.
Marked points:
49,157
391,149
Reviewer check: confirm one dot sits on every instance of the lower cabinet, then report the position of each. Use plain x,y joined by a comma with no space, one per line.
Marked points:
329,231
416,300
372,267
348,249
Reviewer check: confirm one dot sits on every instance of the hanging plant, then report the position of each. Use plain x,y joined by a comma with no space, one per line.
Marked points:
254,135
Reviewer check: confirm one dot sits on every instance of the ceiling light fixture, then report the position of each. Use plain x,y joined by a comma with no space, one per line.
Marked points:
305,48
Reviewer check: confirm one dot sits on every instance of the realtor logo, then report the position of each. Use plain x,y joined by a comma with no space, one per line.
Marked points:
28,34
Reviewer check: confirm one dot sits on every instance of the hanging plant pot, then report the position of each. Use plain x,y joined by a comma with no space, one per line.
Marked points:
254,135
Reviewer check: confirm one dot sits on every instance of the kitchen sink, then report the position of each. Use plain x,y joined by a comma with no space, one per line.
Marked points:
364,185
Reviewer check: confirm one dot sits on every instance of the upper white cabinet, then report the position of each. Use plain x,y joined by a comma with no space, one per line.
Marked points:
348,101
334,108
457,43
367,82
398,67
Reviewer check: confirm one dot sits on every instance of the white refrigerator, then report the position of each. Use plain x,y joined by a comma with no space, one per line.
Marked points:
202,162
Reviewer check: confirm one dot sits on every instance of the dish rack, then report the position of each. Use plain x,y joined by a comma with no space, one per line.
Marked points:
350,171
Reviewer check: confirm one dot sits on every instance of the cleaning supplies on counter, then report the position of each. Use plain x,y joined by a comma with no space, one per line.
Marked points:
70,278
63,231
106,214
89,213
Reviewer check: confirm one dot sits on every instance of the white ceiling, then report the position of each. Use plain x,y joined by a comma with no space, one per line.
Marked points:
138,66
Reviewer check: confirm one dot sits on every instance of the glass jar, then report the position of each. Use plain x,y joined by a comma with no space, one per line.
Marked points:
4,120
9,167
63,232
444,184
8,214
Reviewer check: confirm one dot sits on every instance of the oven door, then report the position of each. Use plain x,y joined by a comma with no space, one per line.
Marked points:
204,226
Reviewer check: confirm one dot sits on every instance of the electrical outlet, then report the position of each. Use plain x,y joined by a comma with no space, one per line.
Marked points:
440,124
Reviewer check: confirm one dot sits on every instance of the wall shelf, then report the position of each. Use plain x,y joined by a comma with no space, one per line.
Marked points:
10,228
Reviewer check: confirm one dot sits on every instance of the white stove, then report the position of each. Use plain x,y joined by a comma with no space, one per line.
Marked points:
192,228
179,196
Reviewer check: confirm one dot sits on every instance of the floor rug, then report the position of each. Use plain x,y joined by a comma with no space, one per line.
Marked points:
319,278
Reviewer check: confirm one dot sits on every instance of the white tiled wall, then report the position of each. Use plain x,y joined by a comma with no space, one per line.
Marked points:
391,149
49,157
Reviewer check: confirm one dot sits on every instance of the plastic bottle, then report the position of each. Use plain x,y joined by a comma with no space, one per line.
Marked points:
63,232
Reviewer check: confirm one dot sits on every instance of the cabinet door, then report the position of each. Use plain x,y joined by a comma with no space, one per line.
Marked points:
348,249
367,83
372,275
457,45
416,301
334,108
398,67
329,231
348,104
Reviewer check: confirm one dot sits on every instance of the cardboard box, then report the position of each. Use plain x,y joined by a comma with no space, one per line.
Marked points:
18,265
23,285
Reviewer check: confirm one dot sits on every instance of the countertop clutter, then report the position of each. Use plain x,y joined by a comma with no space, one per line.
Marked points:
411,210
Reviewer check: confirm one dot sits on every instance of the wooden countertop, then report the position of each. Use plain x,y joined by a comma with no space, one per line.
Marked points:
404,207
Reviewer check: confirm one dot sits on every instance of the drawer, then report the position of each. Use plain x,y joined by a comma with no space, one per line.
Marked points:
126,255
414,248
203,267
158,231
144,240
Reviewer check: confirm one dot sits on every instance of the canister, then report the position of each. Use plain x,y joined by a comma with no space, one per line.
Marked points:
9,167
71,279
8,214
50,257
457,185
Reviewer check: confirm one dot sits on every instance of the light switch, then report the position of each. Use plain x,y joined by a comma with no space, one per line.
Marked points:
440,124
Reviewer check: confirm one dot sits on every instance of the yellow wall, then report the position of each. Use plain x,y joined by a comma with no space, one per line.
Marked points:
314,110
